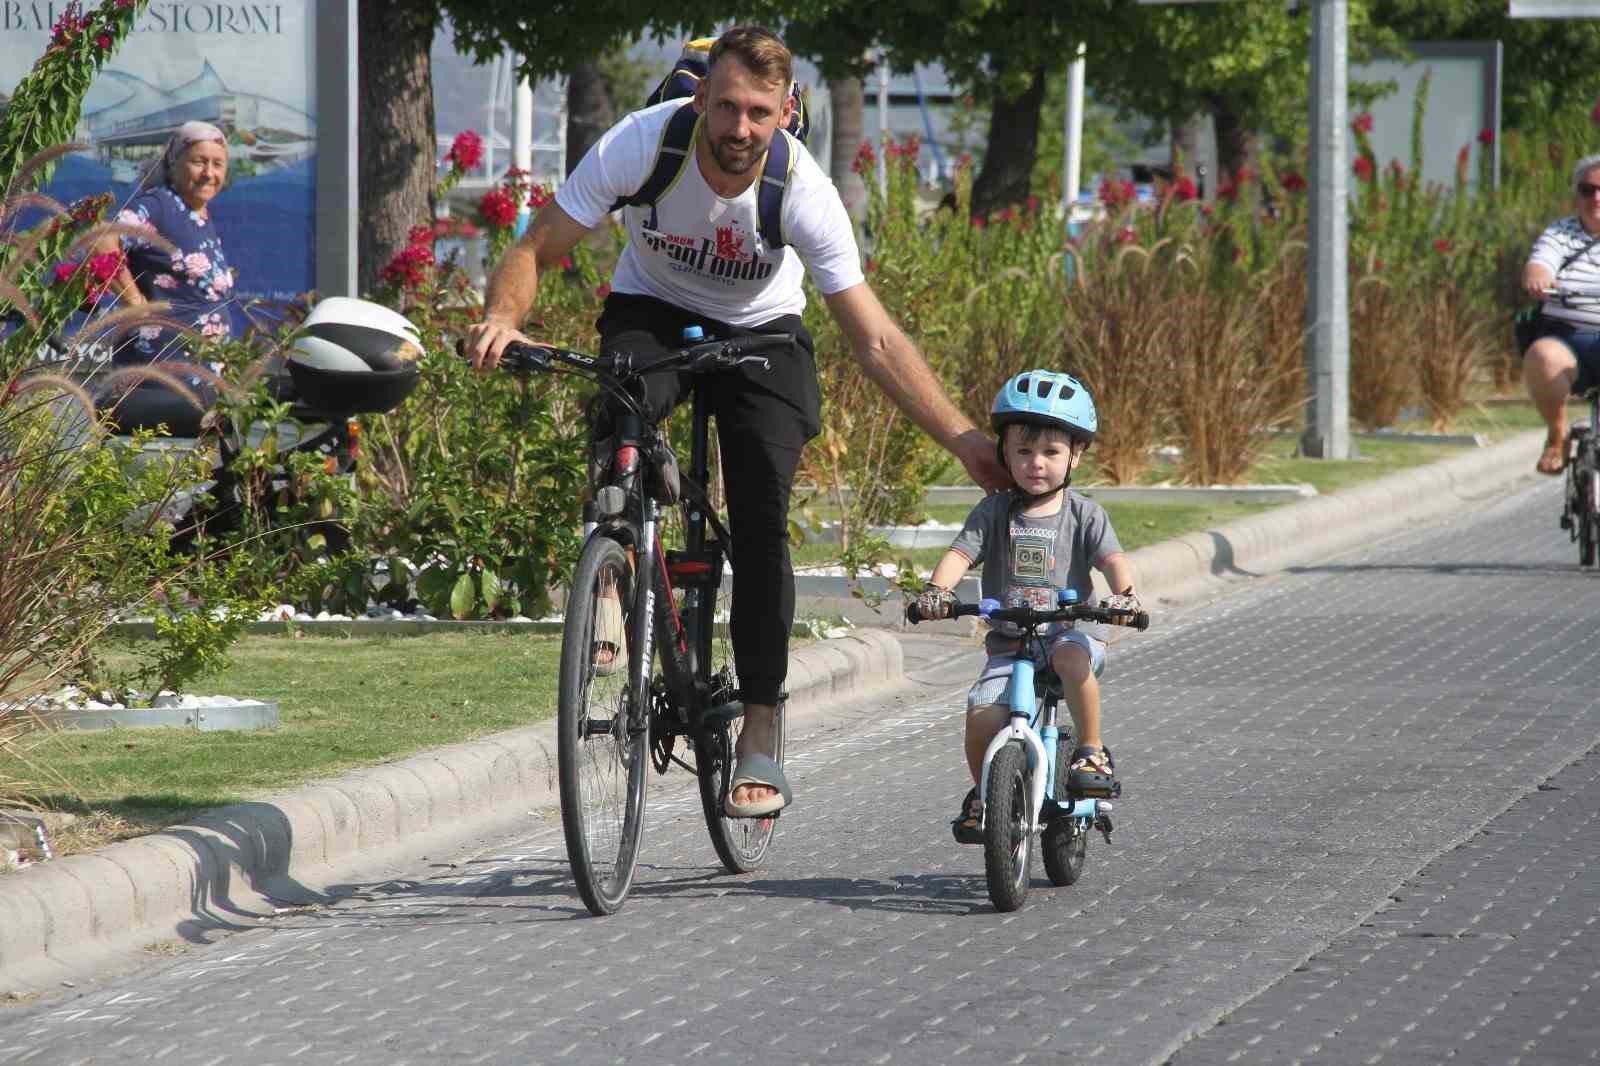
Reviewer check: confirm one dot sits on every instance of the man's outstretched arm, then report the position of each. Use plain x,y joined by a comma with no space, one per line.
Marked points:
515,283
893,363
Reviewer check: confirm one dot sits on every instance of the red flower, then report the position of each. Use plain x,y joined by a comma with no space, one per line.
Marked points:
1442,246
1293,182
441,228
1183,190
103,42
1009,214
1228,190
1461,156
1486,137
566,262
467,229
1033,204
871,266
965,161
104,266
424,234
1362,122
980,221
602,290
62,272
1115,192
1594,116
466,151
1363,167
539,196
497,208
865,159
410,267
1126,235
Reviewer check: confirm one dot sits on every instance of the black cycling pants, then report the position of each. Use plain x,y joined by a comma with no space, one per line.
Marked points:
764,419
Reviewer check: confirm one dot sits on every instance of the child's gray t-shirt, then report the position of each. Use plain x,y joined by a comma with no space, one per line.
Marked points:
1042,554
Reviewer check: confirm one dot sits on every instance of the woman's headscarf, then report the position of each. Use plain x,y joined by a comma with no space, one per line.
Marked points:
190,133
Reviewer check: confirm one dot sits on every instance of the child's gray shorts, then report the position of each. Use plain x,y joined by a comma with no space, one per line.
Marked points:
990,688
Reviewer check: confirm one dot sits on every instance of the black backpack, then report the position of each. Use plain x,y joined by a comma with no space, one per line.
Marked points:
677,142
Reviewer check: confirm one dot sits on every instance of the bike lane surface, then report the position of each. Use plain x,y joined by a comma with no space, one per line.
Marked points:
1333,836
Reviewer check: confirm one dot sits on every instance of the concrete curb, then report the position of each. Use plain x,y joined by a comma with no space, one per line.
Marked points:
236,865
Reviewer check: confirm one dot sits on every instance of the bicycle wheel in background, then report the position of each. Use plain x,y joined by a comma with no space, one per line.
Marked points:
741,843
1065,841
604,741
1588,508
1007,843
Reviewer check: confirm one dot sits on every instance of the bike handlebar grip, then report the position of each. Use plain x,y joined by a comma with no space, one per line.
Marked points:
1141,621
913,613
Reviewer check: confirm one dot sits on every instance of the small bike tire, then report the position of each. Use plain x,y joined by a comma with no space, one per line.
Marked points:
1007,843
603,741
1065,841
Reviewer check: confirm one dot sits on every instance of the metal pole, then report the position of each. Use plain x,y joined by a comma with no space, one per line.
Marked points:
1072,155
338,182
883,124
1327,434
522,137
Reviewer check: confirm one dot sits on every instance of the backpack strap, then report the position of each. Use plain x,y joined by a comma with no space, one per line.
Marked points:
769,193
677,140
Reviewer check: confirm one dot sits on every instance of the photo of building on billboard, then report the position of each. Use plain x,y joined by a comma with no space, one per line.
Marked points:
247,68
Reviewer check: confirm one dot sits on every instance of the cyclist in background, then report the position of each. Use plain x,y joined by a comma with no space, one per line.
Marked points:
696,257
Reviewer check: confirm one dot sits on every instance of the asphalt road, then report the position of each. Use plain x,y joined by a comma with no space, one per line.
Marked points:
1361,803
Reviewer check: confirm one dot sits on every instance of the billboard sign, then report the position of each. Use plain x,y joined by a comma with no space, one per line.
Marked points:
248,68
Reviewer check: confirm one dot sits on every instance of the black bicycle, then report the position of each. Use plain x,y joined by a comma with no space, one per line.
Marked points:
1580,509
644,661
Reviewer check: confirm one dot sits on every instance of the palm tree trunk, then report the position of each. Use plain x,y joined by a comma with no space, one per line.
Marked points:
1013,147
847,99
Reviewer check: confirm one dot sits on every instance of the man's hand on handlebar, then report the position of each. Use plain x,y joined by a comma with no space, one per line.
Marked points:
486,342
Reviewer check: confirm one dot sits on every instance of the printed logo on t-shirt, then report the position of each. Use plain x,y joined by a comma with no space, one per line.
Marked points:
1030,558
724,260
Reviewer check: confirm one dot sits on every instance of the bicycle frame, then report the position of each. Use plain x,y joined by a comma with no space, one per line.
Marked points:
1033,723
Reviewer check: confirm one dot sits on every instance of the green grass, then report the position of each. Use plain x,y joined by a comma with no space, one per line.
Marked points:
342,703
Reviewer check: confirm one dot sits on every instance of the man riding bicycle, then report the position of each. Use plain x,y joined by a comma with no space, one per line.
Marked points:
699,256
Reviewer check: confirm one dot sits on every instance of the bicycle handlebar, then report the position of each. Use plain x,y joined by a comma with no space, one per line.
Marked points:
697,358
1027,616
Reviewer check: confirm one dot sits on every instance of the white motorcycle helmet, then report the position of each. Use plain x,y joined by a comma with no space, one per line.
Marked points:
354,357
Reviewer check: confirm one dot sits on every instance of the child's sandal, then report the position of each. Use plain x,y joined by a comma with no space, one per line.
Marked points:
968,825
1092,772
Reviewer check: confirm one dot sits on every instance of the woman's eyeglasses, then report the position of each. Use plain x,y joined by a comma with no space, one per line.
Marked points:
1587,191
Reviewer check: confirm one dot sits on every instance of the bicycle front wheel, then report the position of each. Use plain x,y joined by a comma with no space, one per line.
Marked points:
1007,843
741,843
604,740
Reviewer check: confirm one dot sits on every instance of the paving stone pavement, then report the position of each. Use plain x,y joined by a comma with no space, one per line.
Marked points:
1334,847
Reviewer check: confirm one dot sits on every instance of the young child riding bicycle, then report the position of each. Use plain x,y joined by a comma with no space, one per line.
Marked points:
1031,542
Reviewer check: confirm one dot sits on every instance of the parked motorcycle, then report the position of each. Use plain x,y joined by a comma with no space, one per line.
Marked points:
349,357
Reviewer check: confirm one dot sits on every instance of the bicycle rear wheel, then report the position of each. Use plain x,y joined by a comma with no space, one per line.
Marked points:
603,729
1065,841
741,843
1007,843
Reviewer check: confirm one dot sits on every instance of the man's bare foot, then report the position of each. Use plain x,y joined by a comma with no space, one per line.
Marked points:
1553,460
746,795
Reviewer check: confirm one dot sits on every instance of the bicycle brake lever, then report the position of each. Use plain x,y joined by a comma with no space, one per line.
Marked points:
766,364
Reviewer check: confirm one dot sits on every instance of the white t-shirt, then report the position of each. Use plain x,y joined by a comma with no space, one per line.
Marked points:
706,254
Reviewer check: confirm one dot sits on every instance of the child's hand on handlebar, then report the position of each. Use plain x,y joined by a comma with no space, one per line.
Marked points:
936,601
1124,602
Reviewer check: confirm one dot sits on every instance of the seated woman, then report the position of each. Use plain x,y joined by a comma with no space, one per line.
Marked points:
174,200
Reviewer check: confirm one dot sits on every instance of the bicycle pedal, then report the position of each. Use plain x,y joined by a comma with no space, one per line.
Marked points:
1103,823
723,714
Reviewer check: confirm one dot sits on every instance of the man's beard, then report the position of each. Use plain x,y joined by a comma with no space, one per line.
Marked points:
727,158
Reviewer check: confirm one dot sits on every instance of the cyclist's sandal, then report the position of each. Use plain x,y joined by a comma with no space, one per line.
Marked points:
610,649
1092,772
968,825
757,770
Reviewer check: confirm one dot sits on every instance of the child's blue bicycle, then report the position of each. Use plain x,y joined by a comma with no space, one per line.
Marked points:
1019,800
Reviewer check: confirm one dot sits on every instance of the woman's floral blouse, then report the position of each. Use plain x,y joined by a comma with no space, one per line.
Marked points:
195,280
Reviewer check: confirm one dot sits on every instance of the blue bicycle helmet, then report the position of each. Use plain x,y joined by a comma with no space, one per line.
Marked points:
1046,398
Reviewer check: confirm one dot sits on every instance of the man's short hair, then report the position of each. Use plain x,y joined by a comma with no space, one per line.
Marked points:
759,49
1586,164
